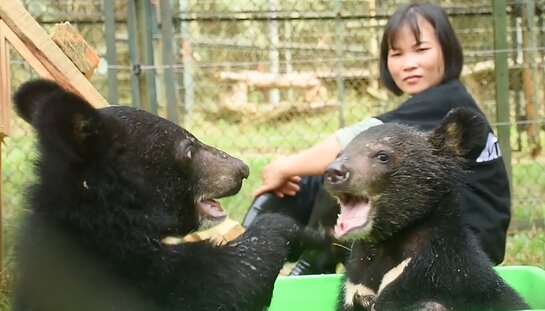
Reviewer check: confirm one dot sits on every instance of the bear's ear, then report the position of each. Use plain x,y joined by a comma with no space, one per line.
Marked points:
461,132
30,95
64,121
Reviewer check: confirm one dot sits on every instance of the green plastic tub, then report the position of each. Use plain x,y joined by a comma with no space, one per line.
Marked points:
319,292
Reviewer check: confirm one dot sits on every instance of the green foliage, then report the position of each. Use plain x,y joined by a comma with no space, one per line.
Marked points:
16,176
528,182
526,248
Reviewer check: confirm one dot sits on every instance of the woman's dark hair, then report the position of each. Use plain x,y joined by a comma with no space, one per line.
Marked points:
408,15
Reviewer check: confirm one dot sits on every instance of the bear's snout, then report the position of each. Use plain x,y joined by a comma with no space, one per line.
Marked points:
244,170
336,173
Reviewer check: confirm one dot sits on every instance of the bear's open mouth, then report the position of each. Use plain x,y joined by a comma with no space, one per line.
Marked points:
355,212
210,209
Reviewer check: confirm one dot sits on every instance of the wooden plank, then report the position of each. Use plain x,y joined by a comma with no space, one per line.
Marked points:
1,216
23,50
5,107
76,48
4,125
47,52
271,80
517,225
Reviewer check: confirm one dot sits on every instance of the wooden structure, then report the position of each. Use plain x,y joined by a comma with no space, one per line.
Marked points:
311,85
19,29
76,48
234,101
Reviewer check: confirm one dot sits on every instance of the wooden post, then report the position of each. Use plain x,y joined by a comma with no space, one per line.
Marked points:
1,218
4,125
4,85
24,51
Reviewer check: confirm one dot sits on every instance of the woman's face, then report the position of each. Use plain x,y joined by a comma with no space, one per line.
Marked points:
416,66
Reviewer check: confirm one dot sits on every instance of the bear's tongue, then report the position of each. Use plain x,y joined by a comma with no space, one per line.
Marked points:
354,214
211,209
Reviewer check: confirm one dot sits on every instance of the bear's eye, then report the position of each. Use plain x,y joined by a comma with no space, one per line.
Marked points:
383,157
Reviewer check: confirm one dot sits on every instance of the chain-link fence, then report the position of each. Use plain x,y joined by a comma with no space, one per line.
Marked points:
263,78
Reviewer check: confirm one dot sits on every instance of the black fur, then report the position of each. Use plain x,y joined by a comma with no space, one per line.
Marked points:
111,184
412,180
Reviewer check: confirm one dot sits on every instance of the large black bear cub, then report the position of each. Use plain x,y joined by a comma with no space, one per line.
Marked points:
111,184
400,204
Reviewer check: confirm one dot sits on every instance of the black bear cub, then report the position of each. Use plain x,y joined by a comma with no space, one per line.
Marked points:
110,184
400,205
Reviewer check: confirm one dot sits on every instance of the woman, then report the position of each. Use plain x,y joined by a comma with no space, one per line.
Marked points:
420,55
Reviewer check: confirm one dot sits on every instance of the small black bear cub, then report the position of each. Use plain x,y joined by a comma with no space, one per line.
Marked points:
400,205
110,184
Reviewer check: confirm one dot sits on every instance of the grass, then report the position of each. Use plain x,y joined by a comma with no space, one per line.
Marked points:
526,248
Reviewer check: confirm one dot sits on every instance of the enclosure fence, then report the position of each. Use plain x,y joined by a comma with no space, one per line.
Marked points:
264,78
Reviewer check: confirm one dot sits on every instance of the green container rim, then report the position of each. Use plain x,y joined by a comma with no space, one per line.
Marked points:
319,292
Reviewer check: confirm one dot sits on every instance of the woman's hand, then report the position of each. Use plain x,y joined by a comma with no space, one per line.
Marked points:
282,176
277,181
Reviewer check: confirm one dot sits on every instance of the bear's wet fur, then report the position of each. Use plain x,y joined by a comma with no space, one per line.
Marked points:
400,205
111,183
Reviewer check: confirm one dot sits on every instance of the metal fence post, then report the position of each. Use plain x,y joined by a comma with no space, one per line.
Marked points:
339,66
167,33
189,87
133,54
111,57
141,53
274,54
502,79
529,75
145,46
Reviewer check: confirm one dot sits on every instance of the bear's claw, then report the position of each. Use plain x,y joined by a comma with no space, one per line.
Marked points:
366,301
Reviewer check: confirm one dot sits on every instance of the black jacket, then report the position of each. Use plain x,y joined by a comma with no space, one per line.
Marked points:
486,193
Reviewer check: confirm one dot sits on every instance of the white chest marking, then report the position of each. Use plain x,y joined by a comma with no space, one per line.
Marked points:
393,274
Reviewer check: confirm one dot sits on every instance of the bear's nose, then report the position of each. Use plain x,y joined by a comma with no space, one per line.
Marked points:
336,173
244,171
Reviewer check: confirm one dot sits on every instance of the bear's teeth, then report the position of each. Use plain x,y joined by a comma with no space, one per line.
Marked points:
350,200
